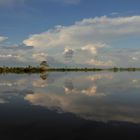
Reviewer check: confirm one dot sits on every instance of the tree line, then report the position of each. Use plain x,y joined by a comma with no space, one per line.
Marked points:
45,67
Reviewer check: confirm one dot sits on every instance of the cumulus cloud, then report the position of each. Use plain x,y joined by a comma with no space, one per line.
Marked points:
100,63
3,38
68,53
92,37
135,58
39,56
14,54
93,48
9,56
89,48
89,42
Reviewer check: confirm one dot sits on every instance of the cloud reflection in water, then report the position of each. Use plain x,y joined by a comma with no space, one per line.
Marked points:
92,96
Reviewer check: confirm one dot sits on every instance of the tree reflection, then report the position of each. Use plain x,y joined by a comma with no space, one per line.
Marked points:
44,75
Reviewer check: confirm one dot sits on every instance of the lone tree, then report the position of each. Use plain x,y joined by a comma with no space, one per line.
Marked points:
44,65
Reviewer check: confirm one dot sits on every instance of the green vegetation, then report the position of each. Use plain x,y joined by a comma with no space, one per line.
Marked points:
28,69
39,69
115,69
44,67
94,69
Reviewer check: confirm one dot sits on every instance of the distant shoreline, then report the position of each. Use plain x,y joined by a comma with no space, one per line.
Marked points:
41,70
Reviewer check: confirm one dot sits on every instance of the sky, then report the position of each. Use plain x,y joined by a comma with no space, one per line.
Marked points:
89,33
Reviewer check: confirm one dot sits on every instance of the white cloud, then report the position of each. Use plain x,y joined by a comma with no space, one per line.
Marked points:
3,38
90,37
135,58
93,48
68,53
9,56
89,30
89,42
39,56
100,63
89,48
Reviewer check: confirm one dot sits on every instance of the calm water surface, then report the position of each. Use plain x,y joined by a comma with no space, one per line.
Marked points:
73,105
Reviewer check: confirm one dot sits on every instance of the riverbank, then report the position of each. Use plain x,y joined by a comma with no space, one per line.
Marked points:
40,70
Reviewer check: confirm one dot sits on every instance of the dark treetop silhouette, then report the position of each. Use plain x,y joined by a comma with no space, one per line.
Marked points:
45,67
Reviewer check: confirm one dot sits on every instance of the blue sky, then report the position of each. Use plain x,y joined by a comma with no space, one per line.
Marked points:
35,16
22,20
